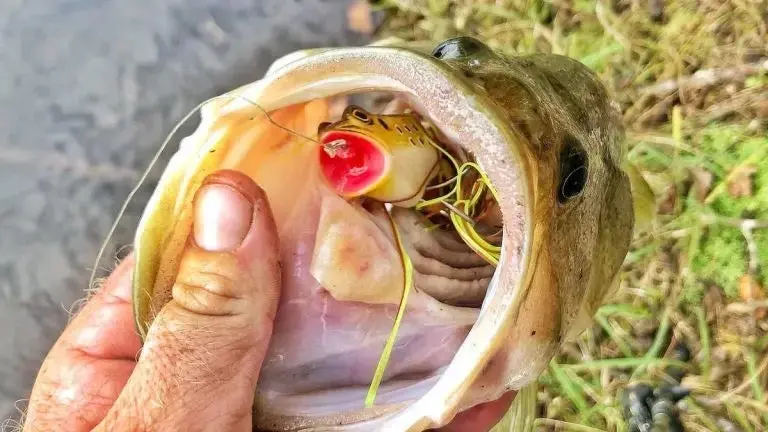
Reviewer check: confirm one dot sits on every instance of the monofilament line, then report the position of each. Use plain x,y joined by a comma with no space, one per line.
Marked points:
156,157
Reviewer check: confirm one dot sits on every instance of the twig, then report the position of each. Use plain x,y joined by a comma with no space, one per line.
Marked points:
661,106
623,363
705,78
708,219
603,19
746,307
661,140
739,103
755,157
565,425
697,427
549,35
746,230
756,405
747,382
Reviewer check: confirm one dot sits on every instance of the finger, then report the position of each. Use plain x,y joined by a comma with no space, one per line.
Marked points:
482,417
90,363
200,362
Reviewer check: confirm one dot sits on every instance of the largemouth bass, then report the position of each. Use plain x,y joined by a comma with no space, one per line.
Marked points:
544,131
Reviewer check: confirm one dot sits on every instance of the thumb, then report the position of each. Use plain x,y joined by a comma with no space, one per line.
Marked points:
200,362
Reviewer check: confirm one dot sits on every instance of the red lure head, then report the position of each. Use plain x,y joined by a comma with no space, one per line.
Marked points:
388,158
352,163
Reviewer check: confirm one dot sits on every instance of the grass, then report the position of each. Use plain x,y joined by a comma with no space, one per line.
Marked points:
699,135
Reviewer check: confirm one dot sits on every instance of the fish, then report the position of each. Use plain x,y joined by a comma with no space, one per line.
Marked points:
544,131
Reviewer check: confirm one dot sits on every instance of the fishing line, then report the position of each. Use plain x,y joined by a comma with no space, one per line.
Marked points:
273,122
156,157
140,182
458,212
441,185
463,221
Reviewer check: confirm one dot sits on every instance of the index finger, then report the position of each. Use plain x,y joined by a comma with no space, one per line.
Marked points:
90,363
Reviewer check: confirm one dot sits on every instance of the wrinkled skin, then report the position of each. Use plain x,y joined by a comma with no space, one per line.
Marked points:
546,133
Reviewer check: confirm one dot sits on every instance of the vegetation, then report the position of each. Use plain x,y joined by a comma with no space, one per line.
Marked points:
692,79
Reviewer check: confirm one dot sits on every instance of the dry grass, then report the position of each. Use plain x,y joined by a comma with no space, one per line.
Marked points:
692,78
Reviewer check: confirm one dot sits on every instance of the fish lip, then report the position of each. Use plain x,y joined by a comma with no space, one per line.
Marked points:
441,94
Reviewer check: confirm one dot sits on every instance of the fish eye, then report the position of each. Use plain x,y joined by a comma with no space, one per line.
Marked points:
573,170
457,47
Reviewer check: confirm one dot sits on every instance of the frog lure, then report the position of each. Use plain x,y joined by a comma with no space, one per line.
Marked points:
389,158
393,158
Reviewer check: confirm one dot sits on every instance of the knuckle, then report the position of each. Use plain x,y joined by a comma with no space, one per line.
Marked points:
206,295
208,283
196,261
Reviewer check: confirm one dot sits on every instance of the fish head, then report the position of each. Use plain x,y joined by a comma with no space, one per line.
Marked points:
547,135
570,132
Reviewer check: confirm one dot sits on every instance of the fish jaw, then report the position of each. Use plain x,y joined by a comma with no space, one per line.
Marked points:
461,113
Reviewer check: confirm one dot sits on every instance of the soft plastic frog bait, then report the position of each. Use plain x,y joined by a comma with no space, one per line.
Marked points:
389,158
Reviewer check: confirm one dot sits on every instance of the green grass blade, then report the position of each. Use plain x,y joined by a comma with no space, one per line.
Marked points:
658,344
623,363
627,311
757,388
706,349
571,390
737,414
522,413
620,342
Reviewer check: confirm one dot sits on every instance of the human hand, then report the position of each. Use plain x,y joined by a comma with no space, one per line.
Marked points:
200,362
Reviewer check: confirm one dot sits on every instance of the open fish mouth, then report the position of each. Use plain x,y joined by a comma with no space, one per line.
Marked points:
341,298
324,351
461,340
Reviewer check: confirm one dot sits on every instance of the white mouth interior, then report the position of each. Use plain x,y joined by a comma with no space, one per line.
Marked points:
323,352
